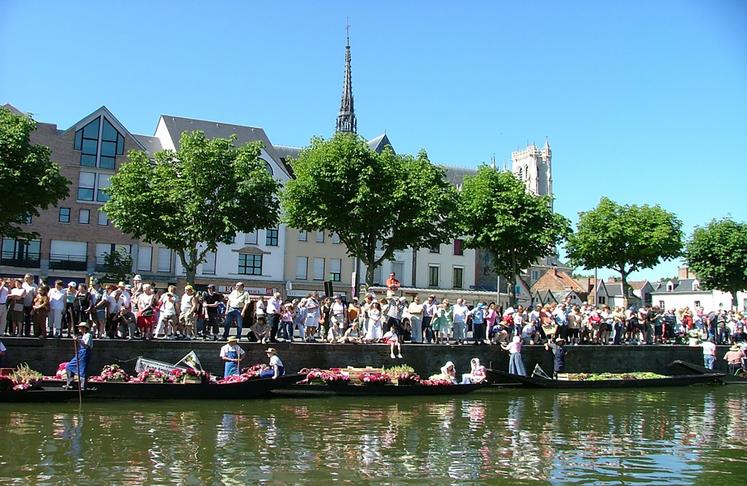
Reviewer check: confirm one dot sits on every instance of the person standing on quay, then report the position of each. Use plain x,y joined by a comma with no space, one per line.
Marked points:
238,302
429,310
460,313
274,309
28,302
3,306
416,315
56,308
232,354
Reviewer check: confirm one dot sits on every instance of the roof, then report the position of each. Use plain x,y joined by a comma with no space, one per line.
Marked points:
456,175
683,286
556,280
378,144
103,110
244,134
13,109
637,284
612,289
151,144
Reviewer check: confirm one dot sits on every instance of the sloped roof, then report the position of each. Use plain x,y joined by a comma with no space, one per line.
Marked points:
378,144
637,284
103,110
244,134
456,175
13,109
557,280
151,144
683,286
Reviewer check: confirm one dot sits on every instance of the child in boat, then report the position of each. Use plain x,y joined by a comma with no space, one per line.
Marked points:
392,340
476,374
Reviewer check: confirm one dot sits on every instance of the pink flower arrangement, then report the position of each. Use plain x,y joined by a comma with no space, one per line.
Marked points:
375,379
150,376
233,379
436,382
112,373
335,377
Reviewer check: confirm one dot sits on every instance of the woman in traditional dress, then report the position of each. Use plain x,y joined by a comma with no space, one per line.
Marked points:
375,330
515,363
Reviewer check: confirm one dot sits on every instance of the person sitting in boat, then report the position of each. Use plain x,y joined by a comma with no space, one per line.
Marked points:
276,368
558,349
734,358
232,354
392,339
448,372
78,366
476,374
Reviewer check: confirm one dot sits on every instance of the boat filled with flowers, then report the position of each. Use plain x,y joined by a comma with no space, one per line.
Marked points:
397,381
24,385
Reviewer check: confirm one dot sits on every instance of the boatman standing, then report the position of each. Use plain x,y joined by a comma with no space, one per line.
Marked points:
78,366
276,366
232,354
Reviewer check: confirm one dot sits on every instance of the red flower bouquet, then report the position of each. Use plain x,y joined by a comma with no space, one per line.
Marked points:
335,378
407,379
112,373
373,379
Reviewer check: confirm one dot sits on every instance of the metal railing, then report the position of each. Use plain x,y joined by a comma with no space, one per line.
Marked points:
29,260
59,261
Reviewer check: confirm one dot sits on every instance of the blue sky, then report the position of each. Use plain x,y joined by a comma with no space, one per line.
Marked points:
643,101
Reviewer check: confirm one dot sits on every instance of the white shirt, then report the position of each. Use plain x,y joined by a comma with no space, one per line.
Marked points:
229,347
273,306
186,306
237,300
460,312
114,304
338,309
709,349
168,301
56,299
275,361
429,309
3,295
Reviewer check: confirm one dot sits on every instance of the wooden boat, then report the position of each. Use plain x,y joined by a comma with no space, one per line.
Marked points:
313,390
255,388
39,396
727,378
538,382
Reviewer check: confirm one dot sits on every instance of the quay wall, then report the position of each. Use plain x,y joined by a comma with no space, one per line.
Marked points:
45,354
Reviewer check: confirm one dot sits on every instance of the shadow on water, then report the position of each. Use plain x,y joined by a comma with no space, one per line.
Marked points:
678,436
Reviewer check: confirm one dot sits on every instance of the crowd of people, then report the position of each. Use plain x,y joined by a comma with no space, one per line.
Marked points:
139,310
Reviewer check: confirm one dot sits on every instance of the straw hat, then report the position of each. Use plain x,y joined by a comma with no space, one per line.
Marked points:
734,347
83,324
232,339
271,351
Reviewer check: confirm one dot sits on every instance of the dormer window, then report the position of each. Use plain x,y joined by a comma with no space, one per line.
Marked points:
670,286
696,285
99,144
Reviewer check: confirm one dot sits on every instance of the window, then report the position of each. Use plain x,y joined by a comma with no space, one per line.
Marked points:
250,264
697,303
302,264
303,235
458,278
103,220
102,196
20,253
272,237
64,215
335,239
86,185
320,236
661,304
164,260
251,238
535,275
68,255
435,249
208,266
399,270
267,166
335,269
99,144
84,216
318,268
602,300
458,249
378,277
517,289
144,258
433,275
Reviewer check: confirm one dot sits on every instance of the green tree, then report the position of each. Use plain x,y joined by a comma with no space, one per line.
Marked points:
118,266
717,254
343,186
624,238
195,198
29,181
499,215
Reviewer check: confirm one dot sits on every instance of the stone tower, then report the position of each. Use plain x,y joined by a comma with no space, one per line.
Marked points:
533,165
346,121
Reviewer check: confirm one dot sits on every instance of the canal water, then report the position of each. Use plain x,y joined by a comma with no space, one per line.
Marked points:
663,436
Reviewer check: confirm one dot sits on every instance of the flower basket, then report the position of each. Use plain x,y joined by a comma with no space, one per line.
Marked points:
336,379
408,379
375,379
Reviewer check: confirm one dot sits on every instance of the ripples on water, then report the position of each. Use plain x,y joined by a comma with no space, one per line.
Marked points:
667,437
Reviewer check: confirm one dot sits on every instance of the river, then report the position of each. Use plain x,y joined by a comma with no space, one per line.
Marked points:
667,436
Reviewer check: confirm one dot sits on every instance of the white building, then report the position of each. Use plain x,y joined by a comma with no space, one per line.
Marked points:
680,293
533,165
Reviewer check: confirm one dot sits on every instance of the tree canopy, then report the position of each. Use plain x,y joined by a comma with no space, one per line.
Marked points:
29,181
117,265
624,238
498,214
343,186
192,199
717,253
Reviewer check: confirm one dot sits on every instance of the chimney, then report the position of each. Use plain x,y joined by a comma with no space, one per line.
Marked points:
684,273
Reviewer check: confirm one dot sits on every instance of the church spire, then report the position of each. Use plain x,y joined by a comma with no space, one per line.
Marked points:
346,121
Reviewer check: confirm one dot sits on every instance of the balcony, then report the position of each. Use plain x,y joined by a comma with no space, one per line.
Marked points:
12,259
68,262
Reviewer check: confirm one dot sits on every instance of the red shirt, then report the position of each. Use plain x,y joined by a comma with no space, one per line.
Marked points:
392,283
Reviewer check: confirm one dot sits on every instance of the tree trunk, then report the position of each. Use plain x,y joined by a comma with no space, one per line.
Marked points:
190,265
512,281
625,292
734,299
369,273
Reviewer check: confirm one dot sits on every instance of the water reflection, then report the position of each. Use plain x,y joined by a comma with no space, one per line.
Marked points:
599,437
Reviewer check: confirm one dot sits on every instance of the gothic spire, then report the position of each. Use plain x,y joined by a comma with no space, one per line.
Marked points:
346,121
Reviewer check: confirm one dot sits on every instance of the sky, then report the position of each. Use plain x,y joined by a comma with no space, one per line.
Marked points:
644,102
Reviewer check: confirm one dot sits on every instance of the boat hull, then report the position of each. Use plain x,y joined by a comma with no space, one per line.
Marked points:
55,395
255,388
727,378
374,391
532,382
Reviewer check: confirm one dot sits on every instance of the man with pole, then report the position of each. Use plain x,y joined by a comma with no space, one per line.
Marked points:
79,364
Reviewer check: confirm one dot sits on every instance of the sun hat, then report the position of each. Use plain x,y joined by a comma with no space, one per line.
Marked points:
403,299
188,287
137,278
232,339
271,351
72,284
83,324
735,347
